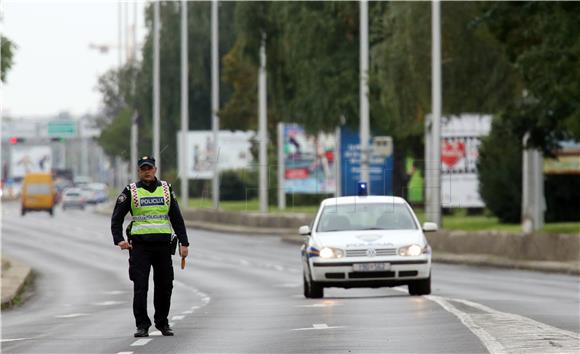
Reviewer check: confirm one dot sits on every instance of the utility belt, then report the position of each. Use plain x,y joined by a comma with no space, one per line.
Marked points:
138,239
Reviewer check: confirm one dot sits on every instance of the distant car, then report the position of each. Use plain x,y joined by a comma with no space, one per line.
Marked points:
366,241
73,198
95,192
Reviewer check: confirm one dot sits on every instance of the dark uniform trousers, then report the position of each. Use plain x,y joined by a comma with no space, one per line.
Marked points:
143,256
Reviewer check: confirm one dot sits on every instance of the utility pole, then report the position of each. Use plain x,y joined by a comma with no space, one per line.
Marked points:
436,113
281,177
134,119
364,95
184,107
215,102
262,128
156,108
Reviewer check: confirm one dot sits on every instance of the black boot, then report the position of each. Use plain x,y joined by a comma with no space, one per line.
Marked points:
142,332
165,330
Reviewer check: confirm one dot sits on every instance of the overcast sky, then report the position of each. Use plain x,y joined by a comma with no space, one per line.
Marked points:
54,68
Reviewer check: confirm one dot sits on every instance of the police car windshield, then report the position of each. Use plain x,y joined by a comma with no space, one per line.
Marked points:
366,216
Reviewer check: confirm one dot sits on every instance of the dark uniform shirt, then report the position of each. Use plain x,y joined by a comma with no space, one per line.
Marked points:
123,206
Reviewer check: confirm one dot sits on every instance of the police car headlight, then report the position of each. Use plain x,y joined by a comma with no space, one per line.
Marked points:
411,250
328,252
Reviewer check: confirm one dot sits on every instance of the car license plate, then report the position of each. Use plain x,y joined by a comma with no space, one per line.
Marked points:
371,267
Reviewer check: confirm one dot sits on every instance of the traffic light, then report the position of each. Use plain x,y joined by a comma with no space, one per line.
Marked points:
15,140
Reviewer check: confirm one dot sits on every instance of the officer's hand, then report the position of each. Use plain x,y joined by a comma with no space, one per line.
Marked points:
183,251
124,245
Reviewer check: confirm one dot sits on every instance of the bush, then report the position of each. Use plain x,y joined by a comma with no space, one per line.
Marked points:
238,185
562,195
500,173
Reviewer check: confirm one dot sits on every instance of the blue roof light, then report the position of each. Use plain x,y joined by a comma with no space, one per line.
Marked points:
362,189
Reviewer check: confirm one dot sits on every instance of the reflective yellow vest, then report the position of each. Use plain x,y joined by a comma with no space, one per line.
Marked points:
150,210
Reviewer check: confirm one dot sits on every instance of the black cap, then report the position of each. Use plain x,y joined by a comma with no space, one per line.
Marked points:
146,160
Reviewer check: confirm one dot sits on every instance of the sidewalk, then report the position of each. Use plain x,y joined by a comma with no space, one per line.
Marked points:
14,276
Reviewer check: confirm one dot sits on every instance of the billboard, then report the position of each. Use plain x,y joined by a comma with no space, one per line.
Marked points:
460,140
309,161
26,159
381,163
233,152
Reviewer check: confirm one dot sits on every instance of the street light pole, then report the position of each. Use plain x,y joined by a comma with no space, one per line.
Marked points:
364,95
215,101
134,120
436,109
156,108
262,126
184,106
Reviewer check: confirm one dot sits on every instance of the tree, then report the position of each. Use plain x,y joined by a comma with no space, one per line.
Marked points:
7,48
541,42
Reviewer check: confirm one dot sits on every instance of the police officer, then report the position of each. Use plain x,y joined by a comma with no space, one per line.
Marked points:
155,213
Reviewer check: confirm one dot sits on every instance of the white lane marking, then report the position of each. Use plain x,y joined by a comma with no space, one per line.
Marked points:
519,334
325,304
125,353
12,339
244,262
177,318
279,268
317,326
171,324
503,332
492,345
72,315
114,292
156,333
194,307
108,303
189,312
140,342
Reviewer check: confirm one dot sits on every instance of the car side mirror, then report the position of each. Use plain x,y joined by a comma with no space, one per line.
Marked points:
304,230
429,227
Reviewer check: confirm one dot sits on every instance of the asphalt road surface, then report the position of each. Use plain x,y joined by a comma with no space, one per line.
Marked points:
243,294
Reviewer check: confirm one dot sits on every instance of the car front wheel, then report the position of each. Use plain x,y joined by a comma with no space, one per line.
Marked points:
312,290
420,287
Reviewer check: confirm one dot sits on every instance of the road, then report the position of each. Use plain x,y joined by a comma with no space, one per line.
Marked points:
243,294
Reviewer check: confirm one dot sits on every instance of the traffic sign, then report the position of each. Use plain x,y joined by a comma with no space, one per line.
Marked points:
62,128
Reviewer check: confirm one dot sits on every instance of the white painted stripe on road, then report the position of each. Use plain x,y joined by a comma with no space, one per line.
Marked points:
317,326
325,304
125,353
189,312
519,334
12,339
503,332
279,268
244,262
108,303
72,315
156,333
177,318
114,292
194,307
492,345
141,342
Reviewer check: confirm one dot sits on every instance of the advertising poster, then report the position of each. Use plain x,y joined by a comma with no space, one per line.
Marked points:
26,159
232,153
381,163
309,161
460,140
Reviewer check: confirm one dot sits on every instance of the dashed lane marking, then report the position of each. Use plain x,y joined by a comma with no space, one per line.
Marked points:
141,342
177,318
156,333
317,326
188,312
125,353
72,315
12,339
108,303
325,304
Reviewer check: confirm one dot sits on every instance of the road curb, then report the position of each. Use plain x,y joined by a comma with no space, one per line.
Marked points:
13,281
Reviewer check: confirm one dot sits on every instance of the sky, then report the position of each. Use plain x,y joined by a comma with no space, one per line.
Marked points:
55,69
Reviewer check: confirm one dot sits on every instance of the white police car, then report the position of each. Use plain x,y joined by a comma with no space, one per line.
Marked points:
366,241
